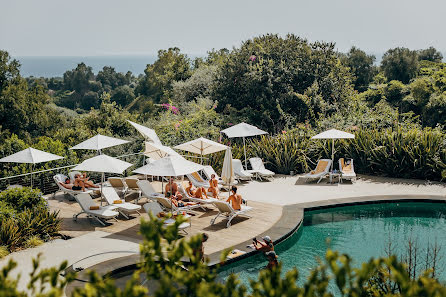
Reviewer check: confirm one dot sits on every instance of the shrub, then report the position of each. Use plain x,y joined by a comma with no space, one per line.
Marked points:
33,241
10,234
22,198
3,251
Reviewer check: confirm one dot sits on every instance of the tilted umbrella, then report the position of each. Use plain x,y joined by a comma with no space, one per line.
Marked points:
30,156
333,134
169,166
227,172
103,164
201,146
157,151
243,130
98,143
149,134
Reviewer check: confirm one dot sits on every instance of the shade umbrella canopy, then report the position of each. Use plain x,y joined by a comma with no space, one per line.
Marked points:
201,146
243,130
169,166
98,143
227,173
149,134
333,134
103,164
157,151
30,156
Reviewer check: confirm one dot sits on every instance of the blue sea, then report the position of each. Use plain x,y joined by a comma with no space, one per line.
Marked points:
55,66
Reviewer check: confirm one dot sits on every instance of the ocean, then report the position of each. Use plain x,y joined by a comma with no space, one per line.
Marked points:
49,66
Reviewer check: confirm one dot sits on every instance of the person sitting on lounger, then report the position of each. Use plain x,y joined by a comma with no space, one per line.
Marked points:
172,190
213,186
192,191
235,199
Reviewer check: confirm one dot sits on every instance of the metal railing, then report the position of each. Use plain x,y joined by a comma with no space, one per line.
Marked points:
44,181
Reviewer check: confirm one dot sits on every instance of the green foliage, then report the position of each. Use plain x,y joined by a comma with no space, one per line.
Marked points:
22,198
430,54
361,65
33,241
400,64
3,251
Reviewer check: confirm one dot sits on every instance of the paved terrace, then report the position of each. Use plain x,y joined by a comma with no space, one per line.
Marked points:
275,203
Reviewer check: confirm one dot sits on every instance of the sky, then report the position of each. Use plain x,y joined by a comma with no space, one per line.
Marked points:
142,27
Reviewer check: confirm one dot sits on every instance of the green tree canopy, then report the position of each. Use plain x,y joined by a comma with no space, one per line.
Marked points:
430,54
361,65
400,64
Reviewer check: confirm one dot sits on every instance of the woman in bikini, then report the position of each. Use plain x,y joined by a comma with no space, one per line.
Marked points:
213,183
196,193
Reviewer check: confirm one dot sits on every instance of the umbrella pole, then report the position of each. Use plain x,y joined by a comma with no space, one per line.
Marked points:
244,148
32,165
102,182
332,154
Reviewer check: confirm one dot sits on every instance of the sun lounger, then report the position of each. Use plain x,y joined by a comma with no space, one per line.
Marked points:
193,199
347,170
322,169
147,190
124,208
239,172
197,180
259,170
103,213
226,210
118,184
60,179
155,209
169,206
208,171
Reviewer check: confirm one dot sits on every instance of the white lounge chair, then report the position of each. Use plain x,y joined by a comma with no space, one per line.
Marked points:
259,170
225,209
169,206
193,199
347,170
60,179
239,172
124,208
208,171
155,209
322,169
132,184
147,190
119,184
103,213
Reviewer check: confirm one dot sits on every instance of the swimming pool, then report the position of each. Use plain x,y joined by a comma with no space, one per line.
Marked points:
362,231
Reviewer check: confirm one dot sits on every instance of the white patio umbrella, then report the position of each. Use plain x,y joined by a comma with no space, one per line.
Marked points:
227,172
157,151
201,146
149,134
98,143
243,130
103,164
169,166
30,156
333,134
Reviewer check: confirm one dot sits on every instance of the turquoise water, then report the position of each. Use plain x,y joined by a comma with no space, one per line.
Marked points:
362,231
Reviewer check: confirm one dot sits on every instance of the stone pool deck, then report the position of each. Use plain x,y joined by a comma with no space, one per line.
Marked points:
278,209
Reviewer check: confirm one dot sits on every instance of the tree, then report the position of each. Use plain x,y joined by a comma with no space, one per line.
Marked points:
123,95
430,54
9,69
171,66
400,64
361,65
199,84
110,79
78,79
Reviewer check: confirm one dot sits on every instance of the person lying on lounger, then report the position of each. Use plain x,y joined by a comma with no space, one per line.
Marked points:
180,203
213,186
76,186
86,181
235,199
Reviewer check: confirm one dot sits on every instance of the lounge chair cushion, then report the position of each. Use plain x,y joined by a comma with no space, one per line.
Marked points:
117,202
94,207
321,165
198,177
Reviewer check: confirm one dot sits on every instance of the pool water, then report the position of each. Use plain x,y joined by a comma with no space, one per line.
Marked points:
362,231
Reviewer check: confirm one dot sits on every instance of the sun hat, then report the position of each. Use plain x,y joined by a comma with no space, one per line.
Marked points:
267,239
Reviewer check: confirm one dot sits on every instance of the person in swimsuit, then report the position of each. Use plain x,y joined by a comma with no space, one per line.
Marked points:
265,246
78,183
235,199
172,188
200,251
191,191
272,260
87,182
213,186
